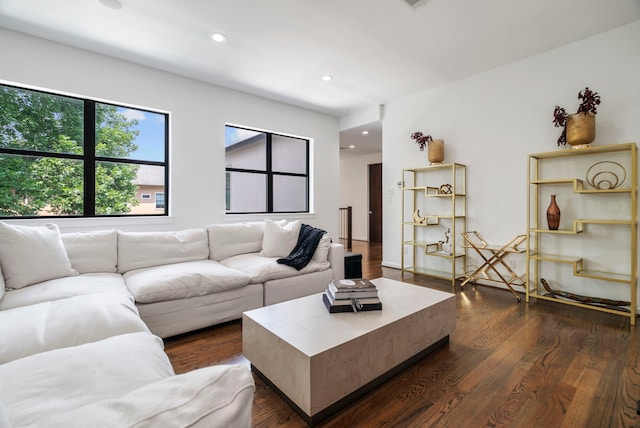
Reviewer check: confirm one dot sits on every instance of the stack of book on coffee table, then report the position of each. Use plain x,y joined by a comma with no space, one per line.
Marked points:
351,295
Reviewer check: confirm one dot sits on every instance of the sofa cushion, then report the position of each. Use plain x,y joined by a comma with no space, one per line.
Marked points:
4,419
322,250
36,387
284,289
227,240
261,269
182,280
216,396
62,288
68,322
173,317
2,290
138,250
32,254
279,239
92,251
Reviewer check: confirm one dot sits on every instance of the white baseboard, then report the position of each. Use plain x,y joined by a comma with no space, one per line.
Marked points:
391,265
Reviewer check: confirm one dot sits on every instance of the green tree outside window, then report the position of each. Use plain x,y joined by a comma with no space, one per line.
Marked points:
43,154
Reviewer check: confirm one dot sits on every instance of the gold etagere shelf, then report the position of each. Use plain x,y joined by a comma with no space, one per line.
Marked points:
434,201
545,171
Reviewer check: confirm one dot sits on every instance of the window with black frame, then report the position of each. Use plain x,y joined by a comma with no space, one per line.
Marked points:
265,172
76,157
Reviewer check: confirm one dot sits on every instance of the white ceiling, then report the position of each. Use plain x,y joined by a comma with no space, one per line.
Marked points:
376,50
354,143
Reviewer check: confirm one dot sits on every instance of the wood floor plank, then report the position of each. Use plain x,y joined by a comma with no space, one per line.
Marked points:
513,392
579,409
512,365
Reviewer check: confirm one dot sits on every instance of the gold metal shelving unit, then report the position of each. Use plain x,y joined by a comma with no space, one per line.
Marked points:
434,201
578,256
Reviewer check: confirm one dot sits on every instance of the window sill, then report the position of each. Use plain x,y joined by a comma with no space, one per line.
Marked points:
94,223
261,217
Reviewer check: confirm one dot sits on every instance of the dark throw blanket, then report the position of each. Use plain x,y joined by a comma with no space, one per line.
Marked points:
302,253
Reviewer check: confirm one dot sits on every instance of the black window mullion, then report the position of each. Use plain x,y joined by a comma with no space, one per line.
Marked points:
90,158
307,174
166,166
269,175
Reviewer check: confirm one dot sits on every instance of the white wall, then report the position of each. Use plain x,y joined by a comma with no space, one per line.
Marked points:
354,191
199,112
492,121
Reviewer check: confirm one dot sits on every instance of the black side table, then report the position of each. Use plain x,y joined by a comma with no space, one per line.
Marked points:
352,265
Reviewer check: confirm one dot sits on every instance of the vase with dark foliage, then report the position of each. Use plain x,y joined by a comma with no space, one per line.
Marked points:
435,148
579,128
553,214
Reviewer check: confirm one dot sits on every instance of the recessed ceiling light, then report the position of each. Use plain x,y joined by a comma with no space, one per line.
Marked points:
327,78
111,4
352,147
219,37
365,132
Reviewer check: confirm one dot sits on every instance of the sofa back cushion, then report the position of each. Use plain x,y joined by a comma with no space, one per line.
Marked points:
227,240
138,250
32,254
91,252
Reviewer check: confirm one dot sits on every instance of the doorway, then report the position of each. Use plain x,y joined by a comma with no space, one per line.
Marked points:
375,202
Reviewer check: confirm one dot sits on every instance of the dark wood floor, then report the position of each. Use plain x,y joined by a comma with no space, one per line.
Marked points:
540,364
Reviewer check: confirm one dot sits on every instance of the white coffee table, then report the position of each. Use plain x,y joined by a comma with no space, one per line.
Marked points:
320,362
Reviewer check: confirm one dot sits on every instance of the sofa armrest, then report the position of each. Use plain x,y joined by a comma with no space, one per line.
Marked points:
336,258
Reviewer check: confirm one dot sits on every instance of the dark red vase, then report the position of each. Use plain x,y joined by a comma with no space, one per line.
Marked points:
553,214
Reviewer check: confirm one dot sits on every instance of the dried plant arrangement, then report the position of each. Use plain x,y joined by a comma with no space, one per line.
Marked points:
421,139
589,102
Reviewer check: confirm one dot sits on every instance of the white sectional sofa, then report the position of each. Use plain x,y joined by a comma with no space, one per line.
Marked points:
82,317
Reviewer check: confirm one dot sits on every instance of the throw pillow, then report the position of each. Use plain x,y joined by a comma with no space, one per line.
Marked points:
322,250
279,240
32,254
